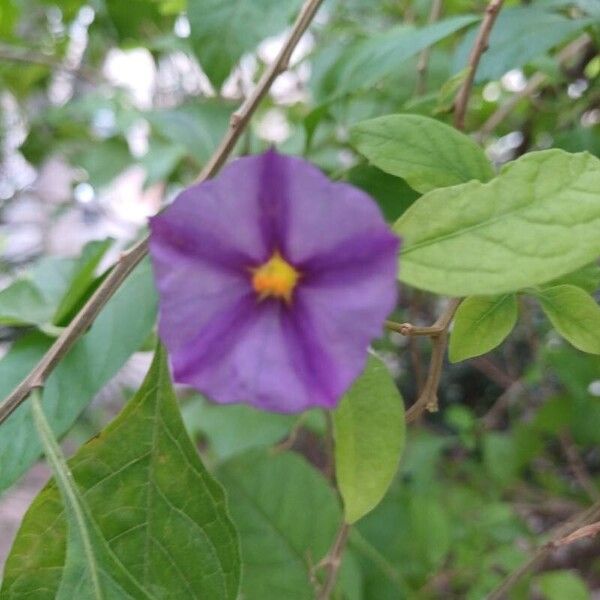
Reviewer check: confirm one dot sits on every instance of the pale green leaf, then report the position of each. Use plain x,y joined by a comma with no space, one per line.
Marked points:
481,323
286,515
162,516
574,314
120,329
426,153
369,434
223,30
537,220
587,278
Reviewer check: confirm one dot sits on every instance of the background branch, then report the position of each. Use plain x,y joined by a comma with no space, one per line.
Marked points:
130,259
480,46
422,64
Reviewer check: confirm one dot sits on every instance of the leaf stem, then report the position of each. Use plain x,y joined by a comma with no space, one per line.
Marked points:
66,484
333,561
129,260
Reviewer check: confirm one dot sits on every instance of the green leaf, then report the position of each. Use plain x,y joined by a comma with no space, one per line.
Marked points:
197,127
120,329
90,569
82,280
426,153
234,428
22,303
537,220
103,161
587,278
574,314
519,35
286,516
481,323
365,63
392,194
369,434
223,30
164,518
560,585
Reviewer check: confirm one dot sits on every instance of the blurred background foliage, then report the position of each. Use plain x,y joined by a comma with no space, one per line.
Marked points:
109,107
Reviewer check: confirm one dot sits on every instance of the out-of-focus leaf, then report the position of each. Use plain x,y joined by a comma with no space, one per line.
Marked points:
104,160
222,30
369,431
22,303
286,516
532,223
363,64
426,153
574,314
392,194
83,278
481,323
9,13
519,35
198,127
119,330
231,429
136,20
156,512
161,160
560,585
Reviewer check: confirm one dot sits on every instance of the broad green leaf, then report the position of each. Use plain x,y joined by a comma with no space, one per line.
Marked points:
519,35
162,515
22,303
574,314
223,30
119,330
365,63
426,153
103,161
369,433
286,516
91,570
537,220
560,585
587,278
481,323
82,280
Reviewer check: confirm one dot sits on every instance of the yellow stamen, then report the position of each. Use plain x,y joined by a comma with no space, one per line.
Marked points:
275,278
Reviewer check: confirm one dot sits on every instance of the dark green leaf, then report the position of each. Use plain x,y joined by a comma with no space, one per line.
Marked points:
286,516
162,515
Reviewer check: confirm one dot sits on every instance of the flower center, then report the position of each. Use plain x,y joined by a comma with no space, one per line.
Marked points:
275,278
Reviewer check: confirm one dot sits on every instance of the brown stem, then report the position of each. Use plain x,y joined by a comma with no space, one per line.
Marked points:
537,80
589,516
80,323
480,46
577,465
423,63
332,562
438,332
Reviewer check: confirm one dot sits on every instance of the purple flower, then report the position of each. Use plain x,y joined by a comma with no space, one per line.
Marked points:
272,282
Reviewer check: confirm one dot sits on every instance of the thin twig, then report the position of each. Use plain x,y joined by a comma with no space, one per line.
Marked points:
587,531
438,332
480,46
423,63
332,562
129,260
18,55
535,82
589,516
577,465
